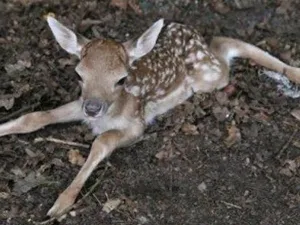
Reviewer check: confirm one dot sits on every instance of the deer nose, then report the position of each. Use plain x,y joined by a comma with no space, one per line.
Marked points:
92,107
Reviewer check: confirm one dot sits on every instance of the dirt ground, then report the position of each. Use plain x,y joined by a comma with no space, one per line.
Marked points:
230,157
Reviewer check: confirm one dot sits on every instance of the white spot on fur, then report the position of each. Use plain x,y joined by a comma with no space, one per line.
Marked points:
191,58
204,67
176,97
216,68
160,91
215,61
177,41
200,55
231,53
135,90
197,66
211,76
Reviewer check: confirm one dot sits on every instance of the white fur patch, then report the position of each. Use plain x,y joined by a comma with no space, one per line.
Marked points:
191,58
213,76
200,55
231,53
135,90
176,97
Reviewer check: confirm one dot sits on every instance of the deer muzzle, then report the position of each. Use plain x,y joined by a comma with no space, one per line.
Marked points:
94,107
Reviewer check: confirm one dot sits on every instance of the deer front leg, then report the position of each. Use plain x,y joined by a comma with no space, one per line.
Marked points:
101,148
36,120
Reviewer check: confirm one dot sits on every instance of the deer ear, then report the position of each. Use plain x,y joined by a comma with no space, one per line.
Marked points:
66,38
145,43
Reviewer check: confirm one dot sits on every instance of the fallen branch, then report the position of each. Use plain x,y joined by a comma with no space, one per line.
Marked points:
231,205
58,141
286,145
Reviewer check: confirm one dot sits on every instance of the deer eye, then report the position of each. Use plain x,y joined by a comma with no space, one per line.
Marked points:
121,81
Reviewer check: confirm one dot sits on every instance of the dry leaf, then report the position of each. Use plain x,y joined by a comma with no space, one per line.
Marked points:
111,204
166,152
234,135
284,7
262,117
143,220
4,195
220,7
162,155
27,2
230,90
189,129
32,180
17,67
221,113
7,103
122,4
290,167
75,157
222,97
135,7
286,56
296,113
246,4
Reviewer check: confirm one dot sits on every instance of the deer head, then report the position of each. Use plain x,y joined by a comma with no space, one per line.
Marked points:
103,65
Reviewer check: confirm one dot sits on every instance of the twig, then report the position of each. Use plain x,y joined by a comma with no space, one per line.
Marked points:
58,141
99,202
231,205
77,204
286,145
18,112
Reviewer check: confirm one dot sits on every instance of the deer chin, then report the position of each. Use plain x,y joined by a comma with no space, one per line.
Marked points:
92,118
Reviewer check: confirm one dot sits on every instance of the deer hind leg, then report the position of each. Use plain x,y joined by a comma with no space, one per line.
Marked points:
101,148
206,69
206,77
36,120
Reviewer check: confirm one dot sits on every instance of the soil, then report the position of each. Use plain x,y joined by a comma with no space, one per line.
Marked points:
229,157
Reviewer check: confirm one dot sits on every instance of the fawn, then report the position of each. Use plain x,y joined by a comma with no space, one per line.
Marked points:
125,85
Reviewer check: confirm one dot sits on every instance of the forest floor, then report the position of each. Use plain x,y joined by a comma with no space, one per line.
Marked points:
196,165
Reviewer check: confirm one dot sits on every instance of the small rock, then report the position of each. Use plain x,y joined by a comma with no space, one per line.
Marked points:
290,167
222,98
143,220
202,187
111,204
4,195
189,129
7,103
220,7
220,113
234,135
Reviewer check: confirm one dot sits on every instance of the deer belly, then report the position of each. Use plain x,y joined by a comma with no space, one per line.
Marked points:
160,106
